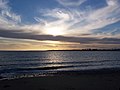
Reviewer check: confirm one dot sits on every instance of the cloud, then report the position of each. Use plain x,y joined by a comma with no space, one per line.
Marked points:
75,22
71,2
110,31
96,19
112,2
7,17
83,40
62,24
67,22
12,16
3,4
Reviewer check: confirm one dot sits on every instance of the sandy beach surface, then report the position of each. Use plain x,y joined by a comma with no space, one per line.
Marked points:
84,81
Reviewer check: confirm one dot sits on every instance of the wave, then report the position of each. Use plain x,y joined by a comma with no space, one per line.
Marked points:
38,68
65,62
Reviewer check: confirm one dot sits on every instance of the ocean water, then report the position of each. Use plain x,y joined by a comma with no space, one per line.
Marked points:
24,64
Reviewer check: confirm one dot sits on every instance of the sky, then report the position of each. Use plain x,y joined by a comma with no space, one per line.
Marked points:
59,24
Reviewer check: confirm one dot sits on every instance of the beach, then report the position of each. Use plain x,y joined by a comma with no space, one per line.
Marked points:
59,70
69,81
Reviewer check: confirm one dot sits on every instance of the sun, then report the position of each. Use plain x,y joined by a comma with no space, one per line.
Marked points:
55,31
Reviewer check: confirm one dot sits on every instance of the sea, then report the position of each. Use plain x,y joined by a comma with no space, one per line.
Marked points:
18,64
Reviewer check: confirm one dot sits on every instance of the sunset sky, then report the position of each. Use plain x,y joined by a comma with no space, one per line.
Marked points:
59,24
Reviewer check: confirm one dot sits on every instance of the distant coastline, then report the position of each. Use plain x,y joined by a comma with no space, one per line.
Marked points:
61,50
88,50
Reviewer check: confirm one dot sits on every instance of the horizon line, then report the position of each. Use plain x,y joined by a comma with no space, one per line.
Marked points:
117,49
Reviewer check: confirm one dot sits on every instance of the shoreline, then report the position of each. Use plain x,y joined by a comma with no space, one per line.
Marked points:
65,73
102,80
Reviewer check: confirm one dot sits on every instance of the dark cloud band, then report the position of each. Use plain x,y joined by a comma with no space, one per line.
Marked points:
83,40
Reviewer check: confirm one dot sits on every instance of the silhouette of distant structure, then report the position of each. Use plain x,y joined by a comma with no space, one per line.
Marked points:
88,50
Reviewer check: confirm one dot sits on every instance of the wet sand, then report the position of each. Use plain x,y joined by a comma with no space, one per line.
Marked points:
68,81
